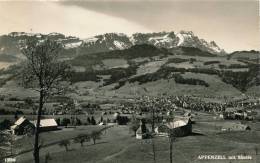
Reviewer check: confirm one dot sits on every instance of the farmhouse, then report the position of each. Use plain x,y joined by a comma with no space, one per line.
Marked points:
22,126
180,127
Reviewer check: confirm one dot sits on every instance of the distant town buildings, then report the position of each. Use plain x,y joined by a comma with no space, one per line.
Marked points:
237,113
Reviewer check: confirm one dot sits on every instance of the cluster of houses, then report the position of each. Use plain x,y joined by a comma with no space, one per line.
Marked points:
237,113
24,126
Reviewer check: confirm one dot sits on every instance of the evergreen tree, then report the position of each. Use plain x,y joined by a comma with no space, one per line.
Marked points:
93,121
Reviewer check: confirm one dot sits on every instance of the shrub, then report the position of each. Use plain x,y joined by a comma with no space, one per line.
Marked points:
81,138
14,99
93,121
58,121
95,135
179,79
237,66
177,60
64,143
122,120
134,126
78,122
84,76
65,122
5,124
211,62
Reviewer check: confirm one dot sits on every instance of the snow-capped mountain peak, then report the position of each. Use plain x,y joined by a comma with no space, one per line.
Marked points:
119,41
189,39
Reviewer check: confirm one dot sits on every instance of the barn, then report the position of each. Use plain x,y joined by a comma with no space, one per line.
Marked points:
47,125
179,126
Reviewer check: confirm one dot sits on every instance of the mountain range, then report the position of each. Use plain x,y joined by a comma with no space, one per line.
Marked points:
114,41
9,44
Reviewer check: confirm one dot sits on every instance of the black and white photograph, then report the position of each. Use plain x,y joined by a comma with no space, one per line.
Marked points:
129,81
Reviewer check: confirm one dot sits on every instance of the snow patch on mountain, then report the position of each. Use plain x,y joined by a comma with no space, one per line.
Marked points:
132,40
54,34
91,39
215,47
119,45
19,34
181,39
161,39
73,45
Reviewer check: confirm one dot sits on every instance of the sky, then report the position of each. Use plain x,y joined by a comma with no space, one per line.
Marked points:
232,24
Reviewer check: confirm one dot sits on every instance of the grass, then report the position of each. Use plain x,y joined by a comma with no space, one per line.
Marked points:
115,63
56,136
117,146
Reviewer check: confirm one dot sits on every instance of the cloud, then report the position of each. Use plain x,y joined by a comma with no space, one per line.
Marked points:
46,17
210,19
218,20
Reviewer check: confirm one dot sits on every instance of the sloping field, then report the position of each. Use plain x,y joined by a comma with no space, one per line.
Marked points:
117,146
216,86
12,89
150,67
115,63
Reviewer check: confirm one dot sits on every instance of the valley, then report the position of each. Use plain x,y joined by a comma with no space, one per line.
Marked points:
117,81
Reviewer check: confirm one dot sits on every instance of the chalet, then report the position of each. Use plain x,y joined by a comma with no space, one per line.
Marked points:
22,126
180,126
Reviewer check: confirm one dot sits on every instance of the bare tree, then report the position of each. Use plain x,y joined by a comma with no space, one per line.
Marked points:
47,157
65,144
44,72
153,148
96,135
134,126
172,138
81,138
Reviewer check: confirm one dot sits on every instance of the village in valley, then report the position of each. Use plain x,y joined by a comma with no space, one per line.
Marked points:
141,124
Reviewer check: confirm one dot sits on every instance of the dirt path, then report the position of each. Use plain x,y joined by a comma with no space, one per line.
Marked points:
115,154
